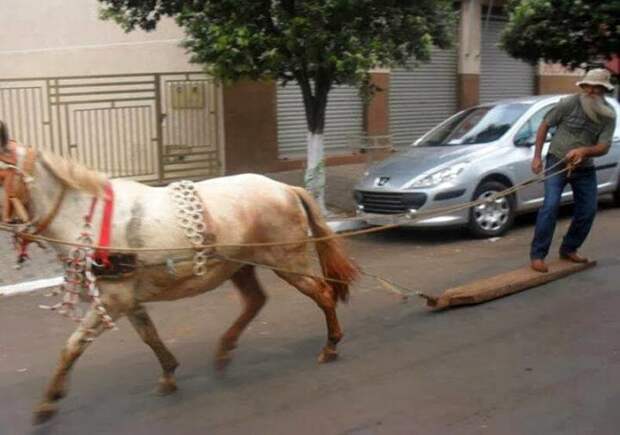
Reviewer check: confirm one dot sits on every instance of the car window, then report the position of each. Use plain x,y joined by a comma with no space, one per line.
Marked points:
527,133
475,126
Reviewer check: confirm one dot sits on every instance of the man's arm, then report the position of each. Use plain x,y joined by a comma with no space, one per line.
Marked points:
541,135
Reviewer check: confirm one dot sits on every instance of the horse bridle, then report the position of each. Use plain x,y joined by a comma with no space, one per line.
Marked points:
16,181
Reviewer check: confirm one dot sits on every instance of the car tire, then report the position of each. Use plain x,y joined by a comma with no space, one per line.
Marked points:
491,220
616,195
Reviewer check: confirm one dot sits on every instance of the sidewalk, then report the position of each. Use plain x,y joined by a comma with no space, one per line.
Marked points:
339,198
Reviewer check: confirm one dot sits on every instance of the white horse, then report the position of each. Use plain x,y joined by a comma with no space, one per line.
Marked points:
239,210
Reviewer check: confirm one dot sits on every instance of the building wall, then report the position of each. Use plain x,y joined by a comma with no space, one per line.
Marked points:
556,79
377,116
251,135
66,37
556,84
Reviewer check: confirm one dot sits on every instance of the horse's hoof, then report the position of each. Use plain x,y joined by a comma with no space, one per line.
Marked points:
44,412
221,362
58,395
166,387
327,355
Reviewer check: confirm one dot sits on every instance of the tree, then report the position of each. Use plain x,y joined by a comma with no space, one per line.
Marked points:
317,43
570,32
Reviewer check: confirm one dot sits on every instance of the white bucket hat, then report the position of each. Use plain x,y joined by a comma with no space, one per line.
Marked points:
597,77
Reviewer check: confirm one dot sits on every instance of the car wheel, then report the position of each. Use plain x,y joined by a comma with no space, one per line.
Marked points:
491,219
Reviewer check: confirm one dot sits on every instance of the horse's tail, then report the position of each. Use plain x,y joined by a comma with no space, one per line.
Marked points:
334,261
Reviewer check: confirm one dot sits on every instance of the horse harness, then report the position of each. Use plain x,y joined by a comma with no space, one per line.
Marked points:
16,199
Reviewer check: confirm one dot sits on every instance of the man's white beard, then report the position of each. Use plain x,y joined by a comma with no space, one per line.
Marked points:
594,105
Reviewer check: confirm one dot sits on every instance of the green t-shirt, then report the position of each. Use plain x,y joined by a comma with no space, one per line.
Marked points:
575,129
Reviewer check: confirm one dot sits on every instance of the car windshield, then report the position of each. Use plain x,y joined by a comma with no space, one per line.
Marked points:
475,126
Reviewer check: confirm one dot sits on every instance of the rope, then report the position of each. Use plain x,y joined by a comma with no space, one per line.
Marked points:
429,213
401,291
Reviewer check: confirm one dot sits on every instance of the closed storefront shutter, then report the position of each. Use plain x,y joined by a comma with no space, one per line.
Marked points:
423,97
343,120
502,76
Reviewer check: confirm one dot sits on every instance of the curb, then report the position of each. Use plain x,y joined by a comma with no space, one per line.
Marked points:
30,286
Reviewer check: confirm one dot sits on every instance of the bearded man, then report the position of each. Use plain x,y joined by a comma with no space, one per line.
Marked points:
585,125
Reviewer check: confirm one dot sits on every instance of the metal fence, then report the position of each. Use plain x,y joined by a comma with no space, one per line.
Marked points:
150,127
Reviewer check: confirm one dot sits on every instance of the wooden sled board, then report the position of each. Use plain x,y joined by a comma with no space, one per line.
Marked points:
504,284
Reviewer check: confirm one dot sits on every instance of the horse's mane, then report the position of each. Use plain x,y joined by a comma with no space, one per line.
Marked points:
73,174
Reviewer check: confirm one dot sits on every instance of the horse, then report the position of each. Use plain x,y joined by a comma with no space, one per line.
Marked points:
241,212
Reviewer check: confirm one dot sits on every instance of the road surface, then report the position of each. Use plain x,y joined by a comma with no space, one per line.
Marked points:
545,361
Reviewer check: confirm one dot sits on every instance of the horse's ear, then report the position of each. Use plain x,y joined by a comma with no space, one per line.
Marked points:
4,136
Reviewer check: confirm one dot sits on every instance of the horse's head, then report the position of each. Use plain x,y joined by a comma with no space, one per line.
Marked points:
13,178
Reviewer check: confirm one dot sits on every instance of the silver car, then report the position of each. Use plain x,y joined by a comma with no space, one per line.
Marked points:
473,154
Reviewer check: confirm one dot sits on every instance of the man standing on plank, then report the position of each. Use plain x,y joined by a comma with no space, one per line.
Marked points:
585,125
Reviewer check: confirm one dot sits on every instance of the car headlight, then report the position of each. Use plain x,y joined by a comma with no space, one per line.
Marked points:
436,178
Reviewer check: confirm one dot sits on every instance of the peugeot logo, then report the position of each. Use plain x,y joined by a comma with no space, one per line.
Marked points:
382,181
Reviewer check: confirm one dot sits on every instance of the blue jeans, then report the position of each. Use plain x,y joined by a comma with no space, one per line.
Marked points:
584,185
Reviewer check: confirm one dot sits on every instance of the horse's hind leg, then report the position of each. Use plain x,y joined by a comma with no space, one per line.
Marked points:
254,299
319,291
90,328
143,324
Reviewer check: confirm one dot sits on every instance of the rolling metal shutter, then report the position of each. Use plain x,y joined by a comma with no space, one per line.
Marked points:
502,76
423,97
343,120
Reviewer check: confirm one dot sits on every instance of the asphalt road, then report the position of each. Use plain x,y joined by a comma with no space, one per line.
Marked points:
545,361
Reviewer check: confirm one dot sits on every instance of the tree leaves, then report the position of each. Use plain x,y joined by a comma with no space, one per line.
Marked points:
274,38
320,43
570,32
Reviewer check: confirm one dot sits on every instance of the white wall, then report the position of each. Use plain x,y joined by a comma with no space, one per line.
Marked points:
43,38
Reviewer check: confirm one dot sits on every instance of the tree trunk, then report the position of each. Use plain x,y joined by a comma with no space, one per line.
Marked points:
315,169
315,104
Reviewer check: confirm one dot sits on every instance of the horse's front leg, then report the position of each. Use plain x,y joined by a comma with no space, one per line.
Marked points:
90,327
143,324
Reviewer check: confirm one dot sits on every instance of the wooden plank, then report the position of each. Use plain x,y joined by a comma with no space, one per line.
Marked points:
503,284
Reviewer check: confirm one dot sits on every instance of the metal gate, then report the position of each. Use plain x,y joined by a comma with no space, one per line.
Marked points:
149,127
423,97
343,120
501,76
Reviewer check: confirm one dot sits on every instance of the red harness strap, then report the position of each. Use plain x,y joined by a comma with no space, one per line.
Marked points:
103,255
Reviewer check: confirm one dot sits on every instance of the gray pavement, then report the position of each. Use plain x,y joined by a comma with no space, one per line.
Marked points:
339,199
